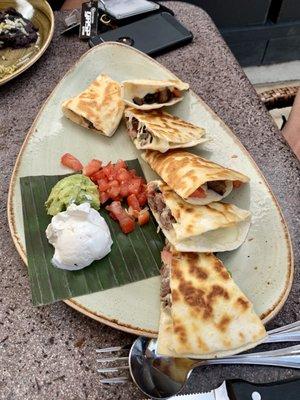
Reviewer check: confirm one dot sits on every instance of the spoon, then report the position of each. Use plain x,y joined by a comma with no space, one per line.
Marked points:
161,377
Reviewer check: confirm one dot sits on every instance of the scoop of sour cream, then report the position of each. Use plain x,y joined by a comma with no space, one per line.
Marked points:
79,235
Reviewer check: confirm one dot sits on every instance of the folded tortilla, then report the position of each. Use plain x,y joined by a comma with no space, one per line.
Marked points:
187,174
147,94
157,130
98,108
203,312
193,228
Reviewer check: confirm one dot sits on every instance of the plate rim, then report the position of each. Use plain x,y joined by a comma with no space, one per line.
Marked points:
38,54
72,302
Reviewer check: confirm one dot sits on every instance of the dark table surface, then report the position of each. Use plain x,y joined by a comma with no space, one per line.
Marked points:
48,353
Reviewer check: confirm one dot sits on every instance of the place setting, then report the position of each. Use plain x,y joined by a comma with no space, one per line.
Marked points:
134,203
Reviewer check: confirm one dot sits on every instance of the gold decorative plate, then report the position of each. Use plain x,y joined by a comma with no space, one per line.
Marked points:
40,14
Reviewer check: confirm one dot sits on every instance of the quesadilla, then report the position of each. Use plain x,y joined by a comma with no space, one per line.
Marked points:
188,227
157,130
98,108
196,180
203,312
147,94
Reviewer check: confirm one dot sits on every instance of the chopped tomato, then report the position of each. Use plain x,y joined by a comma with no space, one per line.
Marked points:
143,217
98,175
166,256
133,213
124,191
103,197
133,172
107,170
198,193
71,162
126,221
113,192
142,198
134,186
127,225
117,183
133,202
177,92
113,183
120,164
103,185
92,167
123,175
113,216
237,184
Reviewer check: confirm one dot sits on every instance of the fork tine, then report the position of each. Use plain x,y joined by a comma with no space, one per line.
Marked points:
111,359
114,381
112,349
109,349
112,369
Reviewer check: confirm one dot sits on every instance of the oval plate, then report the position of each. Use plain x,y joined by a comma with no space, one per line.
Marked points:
40,14
262,267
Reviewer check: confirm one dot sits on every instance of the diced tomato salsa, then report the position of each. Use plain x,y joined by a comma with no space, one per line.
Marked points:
199,193
116,183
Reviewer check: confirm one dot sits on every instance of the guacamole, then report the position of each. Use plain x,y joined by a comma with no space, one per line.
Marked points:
75,189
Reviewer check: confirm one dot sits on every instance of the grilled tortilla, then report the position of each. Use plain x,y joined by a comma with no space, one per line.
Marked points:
203,312
193,228
157,130
196,180
98,108
147,94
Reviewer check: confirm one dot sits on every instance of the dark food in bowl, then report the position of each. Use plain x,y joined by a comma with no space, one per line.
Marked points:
15,30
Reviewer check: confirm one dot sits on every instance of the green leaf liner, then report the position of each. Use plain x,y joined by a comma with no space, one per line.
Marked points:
134,257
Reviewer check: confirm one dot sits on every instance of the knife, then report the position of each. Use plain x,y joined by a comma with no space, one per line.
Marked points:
241,390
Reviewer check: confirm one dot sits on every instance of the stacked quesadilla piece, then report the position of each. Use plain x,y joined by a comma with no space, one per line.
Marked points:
99,108
148,94
203,312
158,130
195,179
197,228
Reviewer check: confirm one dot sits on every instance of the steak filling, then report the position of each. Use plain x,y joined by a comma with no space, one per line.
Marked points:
157,203
165,289
160,97
217,186
142,134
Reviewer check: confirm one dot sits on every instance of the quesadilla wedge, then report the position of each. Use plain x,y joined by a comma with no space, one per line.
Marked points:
203,312
98,108
147,94
196,180
193,228
158,130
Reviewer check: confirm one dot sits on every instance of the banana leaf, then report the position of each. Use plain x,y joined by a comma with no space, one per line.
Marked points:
134,257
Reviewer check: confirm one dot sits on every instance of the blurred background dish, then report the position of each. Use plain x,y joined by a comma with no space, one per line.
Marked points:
13,61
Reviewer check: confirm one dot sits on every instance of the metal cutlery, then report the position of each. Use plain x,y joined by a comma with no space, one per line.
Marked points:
162,377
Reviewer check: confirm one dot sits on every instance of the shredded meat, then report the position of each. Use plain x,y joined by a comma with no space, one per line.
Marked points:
217,186
89,123
144,137
161,96
156,202
165,289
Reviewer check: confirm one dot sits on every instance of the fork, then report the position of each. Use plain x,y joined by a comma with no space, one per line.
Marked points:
124,356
